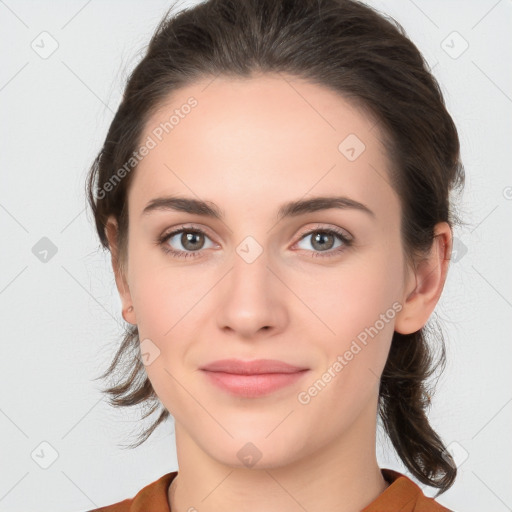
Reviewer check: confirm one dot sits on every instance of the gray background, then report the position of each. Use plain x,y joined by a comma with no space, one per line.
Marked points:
61,318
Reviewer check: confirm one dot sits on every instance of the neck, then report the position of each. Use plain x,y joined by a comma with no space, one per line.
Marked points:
342,476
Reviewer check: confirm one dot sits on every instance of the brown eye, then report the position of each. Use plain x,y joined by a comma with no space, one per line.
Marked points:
324,240
192,240
183,243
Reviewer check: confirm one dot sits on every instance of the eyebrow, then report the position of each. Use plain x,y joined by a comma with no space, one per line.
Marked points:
290,209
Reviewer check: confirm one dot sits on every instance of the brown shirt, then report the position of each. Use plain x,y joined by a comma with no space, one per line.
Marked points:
402,495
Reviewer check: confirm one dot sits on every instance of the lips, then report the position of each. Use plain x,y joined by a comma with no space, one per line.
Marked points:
251,379
255,367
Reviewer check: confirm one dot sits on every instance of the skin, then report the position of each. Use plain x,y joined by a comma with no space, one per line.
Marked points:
249,146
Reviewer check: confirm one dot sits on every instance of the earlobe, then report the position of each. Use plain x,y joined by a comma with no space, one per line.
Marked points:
428,279
111,230
126,314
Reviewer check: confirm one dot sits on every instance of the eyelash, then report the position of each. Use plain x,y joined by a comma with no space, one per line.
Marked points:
347,242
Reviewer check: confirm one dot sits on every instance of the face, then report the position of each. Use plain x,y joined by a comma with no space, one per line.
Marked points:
318,288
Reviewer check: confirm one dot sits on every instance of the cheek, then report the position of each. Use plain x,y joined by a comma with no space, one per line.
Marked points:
351,299
164,297
357,306
362,318
167,316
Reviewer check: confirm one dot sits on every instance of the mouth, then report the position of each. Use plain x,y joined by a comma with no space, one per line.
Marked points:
251,379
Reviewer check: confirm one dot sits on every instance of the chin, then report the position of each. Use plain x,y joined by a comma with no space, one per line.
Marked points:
255,452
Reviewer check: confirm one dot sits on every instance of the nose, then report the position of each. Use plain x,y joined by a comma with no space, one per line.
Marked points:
251,298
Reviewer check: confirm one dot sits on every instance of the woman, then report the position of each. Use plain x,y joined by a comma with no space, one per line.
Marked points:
274,190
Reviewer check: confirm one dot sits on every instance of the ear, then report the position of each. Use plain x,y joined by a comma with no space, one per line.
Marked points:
111,231
425,283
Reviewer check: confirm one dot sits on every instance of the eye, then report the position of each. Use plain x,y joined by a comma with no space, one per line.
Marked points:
323,240
192,240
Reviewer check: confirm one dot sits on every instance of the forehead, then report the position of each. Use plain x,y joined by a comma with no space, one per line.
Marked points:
269,138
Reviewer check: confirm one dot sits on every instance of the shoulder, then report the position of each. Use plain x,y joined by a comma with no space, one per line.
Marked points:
403,494
153,495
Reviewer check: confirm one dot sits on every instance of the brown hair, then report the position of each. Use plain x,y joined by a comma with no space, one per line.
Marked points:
366,57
